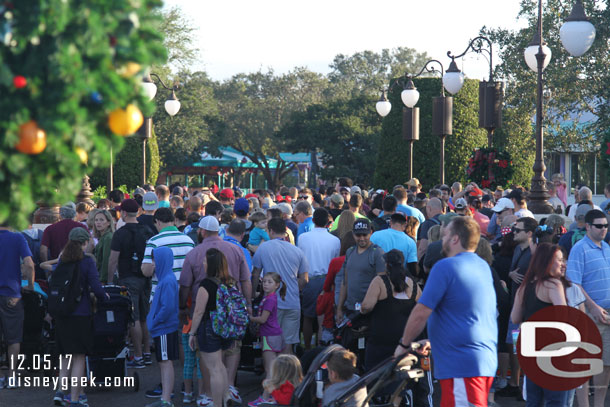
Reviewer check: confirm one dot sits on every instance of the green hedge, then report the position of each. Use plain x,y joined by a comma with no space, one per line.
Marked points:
393,153
128,164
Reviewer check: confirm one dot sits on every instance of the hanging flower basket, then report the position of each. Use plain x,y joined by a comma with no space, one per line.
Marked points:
490,168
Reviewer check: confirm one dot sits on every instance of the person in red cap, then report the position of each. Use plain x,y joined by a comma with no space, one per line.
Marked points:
227,197
475,205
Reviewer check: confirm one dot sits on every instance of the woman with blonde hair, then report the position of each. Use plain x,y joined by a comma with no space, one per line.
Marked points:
102,226
345,223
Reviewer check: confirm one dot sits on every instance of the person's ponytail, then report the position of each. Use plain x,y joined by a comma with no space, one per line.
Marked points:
394,260
397,275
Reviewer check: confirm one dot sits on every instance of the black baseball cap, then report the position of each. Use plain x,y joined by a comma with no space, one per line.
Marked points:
129,206
362,226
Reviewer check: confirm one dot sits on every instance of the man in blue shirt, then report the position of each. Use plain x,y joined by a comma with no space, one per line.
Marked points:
303,212
589,268
235,234
395,238
459,304
13,250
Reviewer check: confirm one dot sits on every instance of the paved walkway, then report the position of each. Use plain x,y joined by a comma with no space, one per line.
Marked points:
248,384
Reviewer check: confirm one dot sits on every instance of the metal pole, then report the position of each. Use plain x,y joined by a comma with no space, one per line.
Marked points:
143,161
442,168
539,193
111,172
411,159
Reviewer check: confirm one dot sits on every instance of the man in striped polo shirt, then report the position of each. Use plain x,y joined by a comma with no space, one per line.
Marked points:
589,268
169,236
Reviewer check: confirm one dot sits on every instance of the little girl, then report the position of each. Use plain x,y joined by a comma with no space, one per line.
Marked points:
258,234
270,330
285,375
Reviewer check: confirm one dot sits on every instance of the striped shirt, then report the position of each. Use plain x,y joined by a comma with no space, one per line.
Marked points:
170,237
589,266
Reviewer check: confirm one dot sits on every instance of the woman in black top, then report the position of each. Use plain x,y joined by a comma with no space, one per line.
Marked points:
202,334
544,285
390,298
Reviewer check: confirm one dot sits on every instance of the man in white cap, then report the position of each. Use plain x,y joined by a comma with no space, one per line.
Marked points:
193,272
503,208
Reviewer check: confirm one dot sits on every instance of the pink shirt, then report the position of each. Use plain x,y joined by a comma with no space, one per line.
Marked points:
562,194
482,220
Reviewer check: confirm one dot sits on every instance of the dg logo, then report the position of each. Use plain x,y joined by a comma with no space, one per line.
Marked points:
560,348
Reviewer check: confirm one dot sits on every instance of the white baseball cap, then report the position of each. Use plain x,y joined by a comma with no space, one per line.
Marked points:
502,204
209,223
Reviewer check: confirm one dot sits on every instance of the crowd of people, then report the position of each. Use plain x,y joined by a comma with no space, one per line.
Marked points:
456,268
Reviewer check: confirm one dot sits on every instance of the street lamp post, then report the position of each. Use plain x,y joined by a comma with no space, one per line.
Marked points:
491,93
442,114
577,35
172,106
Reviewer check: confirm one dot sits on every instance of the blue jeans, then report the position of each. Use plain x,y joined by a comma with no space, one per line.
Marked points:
539,397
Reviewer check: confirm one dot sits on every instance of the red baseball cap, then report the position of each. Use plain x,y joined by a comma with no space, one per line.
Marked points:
251,196
476,192
227,193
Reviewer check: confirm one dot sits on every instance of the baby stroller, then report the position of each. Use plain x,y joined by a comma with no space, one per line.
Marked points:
251,359
392,374
35,328
111,322
386,382
352,334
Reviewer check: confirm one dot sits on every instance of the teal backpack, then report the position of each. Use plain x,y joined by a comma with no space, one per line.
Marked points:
578,235
230,320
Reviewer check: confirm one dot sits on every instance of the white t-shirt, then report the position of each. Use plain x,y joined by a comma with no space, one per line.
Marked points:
524,213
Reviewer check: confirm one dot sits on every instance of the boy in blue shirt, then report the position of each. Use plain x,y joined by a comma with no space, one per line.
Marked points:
162,321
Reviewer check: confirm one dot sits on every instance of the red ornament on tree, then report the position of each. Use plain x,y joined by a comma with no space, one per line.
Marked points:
19,82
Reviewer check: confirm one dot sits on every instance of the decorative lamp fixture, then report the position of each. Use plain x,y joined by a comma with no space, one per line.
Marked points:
150,89
453,80
531,51
409,95
383,106
577,33
172,105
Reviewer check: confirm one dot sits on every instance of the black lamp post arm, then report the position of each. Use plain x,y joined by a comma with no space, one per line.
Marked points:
426,69
173,88
478,48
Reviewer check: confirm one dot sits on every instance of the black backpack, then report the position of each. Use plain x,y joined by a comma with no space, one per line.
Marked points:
65,291
139,237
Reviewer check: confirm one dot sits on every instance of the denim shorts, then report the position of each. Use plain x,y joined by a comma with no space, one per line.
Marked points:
208,341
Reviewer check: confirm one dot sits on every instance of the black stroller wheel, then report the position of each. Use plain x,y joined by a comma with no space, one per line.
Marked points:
136,382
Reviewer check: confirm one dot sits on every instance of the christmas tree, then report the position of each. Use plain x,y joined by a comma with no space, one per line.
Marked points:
70,88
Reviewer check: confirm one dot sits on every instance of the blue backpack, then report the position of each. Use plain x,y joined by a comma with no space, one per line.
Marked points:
230,320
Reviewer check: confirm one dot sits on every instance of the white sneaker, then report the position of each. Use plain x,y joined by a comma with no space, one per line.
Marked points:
204,401
234,395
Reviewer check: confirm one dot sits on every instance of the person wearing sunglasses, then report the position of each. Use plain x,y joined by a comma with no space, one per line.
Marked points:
523,233
589,268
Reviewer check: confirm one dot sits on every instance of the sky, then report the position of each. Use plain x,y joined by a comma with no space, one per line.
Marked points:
237,36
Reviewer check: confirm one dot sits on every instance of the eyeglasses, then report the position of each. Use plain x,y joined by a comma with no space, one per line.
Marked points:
599,225
517,230
303,197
